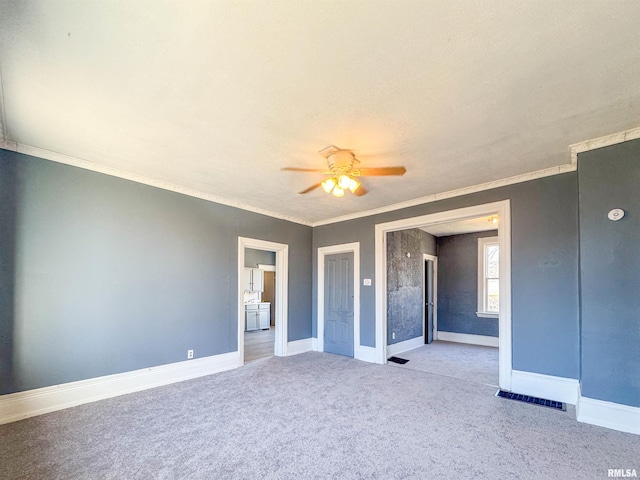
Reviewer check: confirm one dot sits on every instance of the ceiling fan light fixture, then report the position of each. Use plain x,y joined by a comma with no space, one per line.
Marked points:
328,184
344,181
343,166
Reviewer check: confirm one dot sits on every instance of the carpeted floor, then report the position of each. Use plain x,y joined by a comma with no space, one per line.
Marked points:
473,363
314,415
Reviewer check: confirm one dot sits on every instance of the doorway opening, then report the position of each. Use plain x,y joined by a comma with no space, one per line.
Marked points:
395,335
430,297
259,304
466,344
262,299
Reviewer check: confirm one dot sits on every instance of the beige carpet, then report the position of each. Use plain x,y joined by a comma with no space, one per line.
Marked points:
313,416
473,363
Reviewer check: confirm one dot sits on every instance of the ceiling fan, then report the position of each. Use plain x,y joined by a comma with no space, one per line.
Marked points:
344,170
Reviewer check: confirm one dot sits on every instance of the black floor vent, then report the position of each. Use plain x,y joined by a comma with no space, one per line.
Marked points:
399,360
533,400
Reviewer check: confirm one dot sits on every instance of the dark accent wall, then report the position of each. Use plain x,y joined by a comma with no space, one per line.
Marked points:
610,273
253,257
405,282
544,268
458,286
100,275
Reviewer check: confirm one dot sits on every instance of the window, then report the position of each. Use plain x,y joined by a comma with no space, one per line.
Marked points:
488,277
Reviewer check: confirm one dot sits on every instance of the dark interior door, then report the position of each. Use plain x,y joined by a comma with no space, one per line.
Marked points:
428,296
338,304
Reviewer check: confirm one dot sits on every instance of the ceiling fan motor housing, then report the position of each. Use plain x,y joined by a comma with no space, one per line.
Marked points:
341,161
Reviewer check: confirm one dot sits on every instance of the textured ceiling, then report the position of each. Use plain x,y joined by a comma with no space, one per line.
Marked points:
218,96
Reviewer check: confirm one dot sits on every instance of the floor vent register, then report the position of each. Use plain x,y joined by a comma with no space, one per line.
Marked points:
399,360
543,402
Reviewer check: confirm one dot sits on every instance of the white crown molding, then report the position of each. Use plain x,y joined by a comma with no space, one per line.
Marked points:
21,405
114,172
469,339
609,415
559,389
525,177
604,141
575,149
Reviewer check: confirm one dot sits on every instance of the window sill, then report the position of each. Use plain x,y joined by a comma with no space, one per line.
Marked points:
487,315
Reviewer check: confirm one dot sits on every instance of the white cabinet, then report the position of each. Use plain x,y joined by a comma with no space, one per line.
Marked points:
257,316
253,279
264,317
251,317
248,279
258,280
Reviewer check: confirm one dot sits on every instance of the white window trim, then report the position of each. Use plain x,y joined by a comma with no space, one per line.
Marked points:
482,242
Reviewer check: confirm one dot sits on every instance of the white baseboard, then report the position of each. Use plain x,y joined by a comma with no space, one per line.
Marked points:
559,389
300,346
404,346
20,405
483,340
366,354
609,415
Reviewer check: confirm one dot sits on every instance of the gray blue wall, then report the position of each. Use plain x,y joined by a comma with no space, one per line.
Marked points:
405,283
544,249
610,273
8,205
101,275
254,257
458,286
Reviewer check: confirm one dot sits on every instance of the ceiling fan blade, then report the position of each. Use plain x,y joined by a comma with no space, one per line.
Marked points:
381,171
295,169
360,191
312,187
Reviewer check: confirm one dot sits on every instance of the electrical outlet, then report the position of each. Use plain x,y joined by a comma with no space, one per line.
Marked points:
393,335
189,354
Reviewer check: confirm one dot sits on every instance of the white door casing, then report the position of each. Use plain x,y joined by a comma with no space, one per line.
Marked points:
500,208
434,259
322,252
281,294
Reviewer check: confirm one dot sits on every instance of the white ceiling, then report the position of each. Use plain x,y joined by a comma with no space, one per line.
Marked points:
218,96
